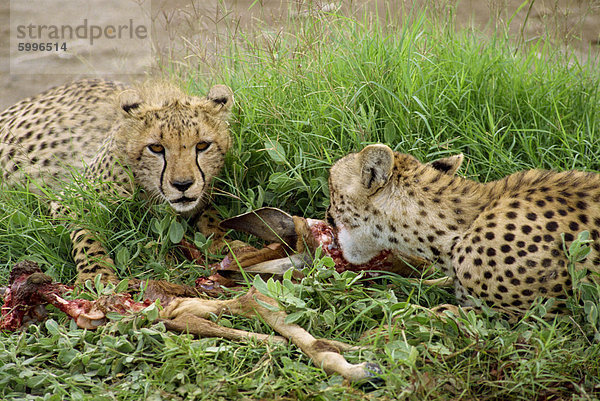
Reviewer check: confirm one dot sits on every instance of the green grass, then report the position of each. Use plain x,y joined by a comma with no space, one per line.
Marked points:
325,87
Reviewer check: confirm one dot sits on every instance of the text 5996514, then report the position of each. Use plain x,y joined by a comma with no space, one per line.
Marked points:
41,46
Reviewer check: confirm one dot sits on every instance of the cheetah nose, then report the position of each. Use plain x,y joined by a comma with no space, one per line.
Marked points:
182,185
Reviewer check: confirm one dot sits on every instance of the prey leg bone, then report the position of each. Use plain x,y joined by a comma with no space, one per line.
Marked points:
190,323
324,354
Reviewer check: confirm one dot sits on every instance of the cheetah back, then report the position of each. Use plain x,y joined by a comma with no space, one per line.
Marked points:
45,135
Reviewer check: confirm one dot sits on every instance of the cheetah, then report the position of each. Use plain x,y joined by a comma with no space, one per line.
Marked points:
501,241
151,136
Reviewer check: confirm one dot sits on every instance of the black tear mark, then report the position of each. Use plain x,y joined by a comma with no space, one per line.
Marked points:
128,107
201,173
162,174
441,166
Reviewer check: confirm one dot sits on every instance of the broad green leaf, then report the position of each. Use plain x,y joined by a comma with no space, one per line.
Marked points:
151,312
295,301
287,283
273,286
98,284
52,327
66,356
267,306
114,316
287,275
260,198
160,226
275,151
124,346
260,285
122,286
123,257
329,317
176,232
591,310
328,262
294,317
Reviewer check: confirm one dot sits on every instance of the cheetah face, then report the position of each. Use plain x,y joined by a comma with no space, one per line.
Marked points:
354,182
174,149
369,204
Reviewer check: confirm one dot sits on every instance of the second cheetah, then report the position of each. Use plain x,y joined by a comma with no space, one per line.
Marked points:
500,241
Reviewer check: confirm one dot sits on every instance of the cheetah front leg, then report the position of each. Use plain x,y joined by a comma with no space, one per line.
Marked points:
91,258
208,224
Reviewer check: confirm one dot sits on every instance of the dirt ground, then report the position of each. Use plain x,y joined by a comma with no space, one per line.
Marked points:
198,24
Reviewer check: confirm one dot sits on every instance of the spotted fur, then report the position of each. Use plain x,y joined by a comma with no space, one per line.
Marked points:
151,136
500,241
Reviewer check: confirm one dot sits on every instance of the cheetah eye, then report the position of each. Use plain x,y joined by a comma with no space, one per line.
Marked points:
156,148
202,146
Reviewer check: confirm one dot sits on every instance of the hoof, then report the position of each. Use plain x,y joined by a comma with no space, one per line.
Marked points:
372,380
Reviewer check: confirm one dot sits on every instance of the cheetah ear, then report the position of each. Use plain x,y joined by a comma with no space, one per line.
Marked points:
130,101
448,165
221,97
376,163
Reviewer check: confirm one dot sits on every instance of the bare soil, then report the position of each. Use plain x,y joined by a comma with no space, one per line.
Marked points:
200,25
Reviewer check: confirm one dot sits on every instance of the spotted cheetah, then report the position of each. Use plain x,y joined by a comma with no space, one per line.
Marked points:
500,241
151,136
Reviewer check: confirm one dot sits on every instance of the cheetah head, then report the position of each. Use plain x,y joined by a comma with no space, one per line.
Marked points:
368,194
174,144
